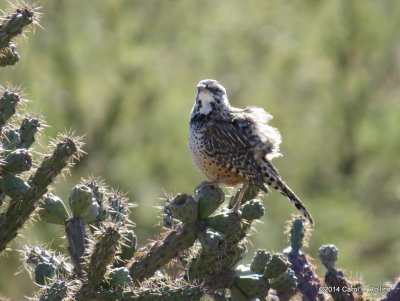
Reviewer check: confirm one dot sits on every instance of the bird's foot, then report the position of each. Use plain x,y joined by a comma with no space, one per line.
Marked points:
238,202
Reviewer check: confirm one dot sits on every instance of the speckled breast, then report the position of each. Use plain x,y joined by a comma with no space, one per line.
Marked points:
211,167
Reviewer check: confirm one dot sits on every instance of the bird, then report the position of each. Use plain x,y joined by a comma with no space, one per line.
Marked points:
235,146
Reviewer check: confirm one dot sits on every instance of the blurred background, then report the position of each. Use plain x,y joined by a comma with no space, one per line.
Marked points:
123,74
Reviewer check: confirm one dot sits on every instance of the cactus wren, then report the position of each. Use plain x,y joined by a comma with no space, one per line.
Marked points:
235,146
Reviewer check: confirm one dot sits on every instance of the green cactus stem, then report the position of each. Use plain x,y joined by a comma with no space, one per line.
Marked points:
209,198
118,208
177,240
212,241
227,222
107,243
298,233
284,282
128,247
260,261
210,258
234,253
234,229
56,291
252,210
44,272
18,161
9,56
34,256
184,208
237,294
119,277
276,266
253,285
161,252
264,272
19,211
52,210
203,265
8,102
206,263
14,187
76,237
13,24
65,150
27,131
9,138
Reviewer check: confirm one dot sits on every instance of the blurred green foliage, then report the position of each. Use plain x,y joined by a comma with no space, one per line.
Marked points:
123,73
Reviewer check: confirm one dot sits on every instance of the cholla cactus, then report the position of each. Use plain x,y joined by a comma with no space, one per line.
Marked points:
341,288
14,24
204,240
298,230
23,183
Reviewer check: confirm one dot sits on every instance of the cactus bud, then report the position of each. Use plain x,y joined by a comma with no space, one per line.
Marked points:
13,24
7,105
57,291
10,138
119,277
212,241
117,210
128,246
184,208
27,131
80,199
52,210
284,282
299,230
18,161
276,266
14,187
328,255
9,55
44,271
252,209
209,198
253,285
225,222
260,260
91,214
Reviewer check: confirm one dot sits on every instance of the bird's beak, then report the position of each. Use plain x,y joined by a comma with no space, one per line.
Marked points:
201,86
